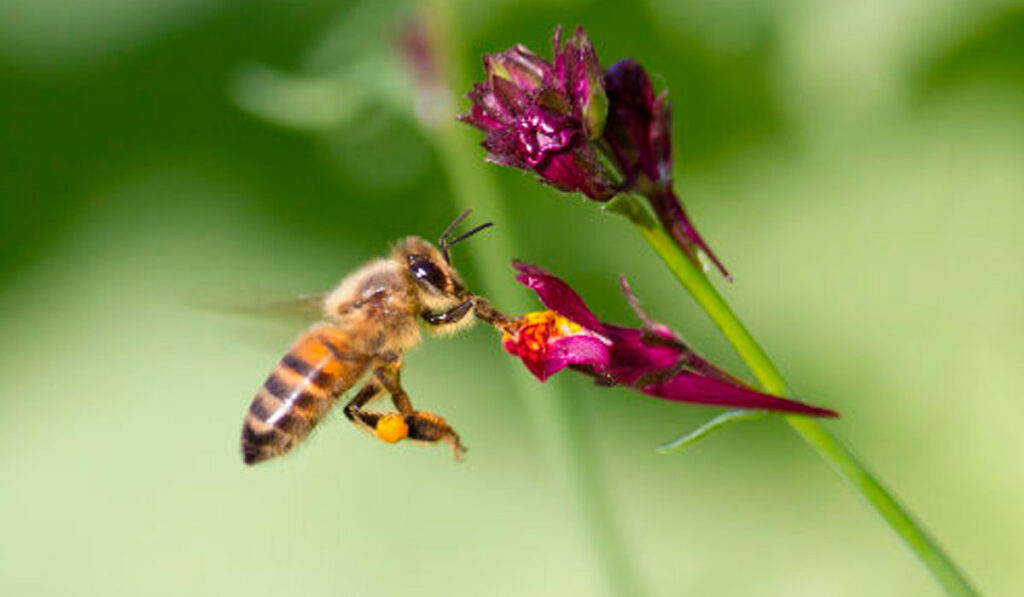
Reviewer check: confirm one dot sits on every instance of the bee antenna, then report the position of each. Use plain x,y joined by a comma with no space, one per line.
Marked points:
451,227
466,235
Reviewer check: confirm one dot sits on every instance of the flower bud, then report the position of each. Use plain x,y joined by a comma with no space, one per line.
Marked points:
638,134
541,117
629,130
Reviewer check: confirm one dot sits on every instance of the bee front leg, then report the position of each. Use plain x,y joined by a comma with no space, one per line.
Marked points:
485,312
449,317
419,425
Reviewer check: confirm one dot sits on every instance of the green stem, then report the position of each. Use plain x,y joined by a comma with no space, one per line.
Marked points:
812,432
556,417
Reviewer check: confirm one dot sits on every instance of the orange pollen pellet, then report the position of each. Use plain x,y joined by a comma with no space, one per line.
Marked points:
392,428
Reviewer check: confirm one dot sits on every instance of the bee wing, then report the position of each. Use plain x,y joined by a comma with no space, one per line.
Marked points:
303,308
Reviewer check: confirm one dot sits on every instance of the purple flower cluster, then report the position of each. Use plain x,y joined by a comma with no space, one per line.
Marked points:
559,119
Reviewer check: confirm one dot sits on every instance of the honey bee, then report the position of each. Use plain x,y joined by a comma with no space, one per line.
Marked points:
370,322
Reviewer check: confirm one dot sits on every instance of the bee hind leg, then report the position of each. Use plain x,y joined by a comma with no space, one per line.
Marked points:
428,427
419,425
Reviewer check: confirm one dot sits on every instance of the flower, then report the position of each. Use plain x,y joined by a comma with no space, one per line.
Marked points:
548,342
638,134
539,116
651,359
556,119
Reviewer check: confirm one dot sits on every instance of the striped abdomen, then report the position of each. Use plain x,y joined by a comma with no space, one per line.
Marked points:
299,392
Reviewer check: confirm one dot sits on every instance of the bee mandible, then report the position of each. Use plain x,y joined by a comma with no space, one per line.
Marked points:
370,321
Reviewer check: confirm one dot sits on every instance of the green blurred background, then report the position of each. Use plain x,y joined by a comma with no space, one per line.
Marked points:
859,166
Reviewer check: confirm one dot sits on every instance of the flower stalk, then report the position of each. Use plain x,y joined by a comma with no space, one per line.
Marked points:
837,456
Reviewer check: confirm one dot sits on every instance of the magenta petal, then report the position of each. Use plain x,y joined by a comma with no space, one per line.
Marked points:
632,357
628,129
556,295
583,81
674,219
661,136
541,133
480,118
556,76
574,350
577,171
690,387
560,171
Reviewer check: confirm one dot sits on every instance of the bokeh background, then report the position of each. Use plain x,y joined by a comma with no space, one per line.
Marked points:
859,166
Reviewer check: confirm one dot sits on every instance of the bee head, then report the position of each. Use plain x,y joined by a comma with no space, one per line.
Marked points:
437,285
426,267
434,281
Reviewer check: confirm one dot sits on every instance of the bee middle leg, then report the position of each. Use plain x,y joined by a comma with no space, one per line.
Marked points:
385,426
422,425
354,409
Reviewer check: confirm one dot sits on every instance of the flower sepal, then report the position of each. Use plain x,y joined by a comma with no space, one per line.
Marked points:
629,207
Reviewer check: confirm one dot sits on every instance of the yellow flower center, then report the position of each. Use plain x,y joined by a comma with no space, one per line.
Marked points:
537,327
530,336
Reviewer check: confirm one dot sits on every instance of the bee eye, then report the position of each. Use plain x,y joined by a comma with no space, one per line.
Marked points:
423,270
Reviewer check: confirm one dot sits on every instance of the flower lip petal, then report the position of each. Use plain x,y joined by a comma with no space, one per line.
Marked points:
557,295
634,355
575,350
690,387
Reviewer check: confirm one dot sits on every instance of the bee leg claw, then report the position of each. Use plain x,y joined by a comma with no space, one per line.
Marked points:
428,427
458,450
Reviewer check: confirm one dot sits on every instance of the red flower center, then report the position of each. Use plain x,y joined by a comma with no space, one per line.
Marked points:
530,336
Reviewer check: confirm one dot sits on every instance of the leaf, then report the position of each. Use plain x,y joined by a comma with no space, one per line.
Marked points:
726,418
